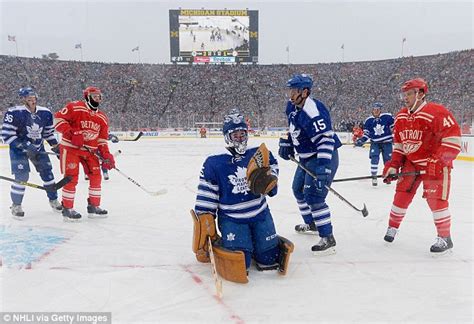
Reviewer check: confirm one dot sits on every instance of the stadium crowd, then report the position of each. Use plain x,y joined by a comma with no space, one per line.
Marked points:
153,96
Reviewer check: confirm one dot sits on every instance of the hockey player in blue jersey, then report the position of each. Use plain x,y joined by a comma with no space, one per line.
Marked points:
378,128
24,129
243,216
312,136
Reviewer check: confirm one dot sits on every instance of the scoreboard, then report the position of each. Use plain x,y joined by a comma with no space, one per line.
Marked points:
213,36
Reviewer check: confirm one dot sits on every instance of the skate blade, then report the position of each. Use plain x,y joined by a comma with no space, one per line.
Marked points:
19,218
71,220
308,233
441,254
96,216
329,251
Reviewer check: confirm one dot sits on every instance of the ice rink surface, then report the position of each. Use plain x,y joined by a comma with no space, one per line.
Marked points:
138,262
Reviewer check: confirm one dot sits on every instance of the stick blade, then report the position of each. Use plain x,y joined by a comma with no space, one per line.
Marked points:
159,192
364,211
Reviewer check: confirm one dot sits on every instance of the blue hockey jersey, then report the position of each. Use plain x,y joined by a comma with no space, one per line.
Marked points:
311,130
223,189
378,130
21,126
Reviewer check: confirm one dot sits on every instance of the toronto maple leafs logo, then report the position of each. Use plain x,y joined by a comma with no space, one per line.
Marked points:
378,129
34,131
231,237
294,133
239,180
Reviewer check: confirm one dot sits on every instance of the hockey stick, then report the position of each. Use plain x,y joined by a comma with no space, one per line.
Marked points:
402,174
217,279
134,139
152,193
363,210
53,187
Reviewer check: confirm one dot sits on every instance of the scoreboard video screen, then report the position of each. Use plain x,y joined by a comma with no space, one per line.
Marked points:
213,36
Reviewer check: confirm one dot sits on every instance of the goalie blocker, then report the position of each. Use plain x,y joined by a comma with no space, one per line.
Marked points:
230,264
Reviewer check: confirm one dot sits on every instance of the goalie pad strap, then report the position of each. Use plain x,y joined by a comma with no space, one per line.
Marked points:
204,227
230,265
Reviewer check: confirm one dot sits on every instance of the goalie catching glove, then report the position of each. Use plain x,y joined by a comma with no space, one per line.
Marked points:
260,178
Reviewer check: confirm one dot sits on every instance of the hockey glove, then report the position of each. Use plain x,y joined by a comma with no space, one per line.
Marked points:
434,166
55,149
359,143
389,172
323,174
286,149
31,151
77,139
108,161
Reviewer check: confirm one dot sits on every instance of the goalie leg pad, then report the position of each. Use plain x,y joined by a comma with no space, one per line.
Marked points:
204,226
230,264
286,248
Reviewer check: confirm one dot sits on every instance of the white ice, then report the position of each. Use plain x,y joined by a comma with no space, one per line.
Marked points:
138,262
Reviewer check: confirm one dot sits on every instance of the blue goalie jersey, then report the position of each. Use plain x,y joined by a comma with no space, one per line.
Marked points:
311,130
378,130
223,189
21,126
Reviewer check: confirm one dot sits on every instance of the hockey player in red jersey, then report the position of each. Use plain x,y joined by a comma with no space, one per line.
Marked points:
84,132
426,138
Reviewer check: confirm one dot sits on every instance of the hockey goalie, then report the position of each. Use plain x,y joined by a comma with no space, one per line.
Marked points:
233,187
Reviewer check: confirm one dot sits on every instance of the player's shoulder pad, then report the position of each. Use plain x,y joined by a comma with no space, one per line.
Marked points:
41,108
386,114
368,118
17,108
432,107
311,108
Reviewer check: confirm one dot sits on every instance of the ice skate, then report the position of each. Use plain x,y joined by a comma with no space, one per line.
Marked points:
390,235
441,246
306,229
56,205
96,212
325,246
17,212
70,215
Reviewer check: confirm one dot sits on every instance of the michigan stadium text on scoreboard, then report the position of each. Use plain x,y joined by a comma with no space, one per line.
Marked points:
213,36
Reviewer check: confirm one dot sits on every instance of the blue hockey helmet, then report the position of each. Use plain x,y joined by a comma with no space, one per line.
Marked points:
377,105
300,81
234,121
27,92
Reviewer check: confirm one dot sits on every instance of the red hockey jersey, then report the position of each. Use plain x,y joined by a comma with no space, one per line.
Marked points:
77,116
430,131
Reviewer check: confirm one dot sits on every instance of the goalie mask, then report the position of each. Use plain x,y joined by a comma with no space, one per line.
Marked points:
235,132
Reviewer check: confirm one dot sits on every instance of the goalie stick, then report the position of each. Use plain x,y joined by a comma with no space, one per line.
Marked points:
363,210
54,187
134,139
396,175
217,279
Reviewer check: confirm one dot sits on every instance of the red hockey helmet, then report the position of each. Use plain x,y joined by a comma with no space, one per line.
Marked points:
91,90
417,83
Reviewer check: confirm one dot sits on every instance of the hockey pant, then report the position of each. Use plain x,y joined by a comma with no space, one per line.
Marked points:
70,160
374,155
21,170
435,191
257,239
312,203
